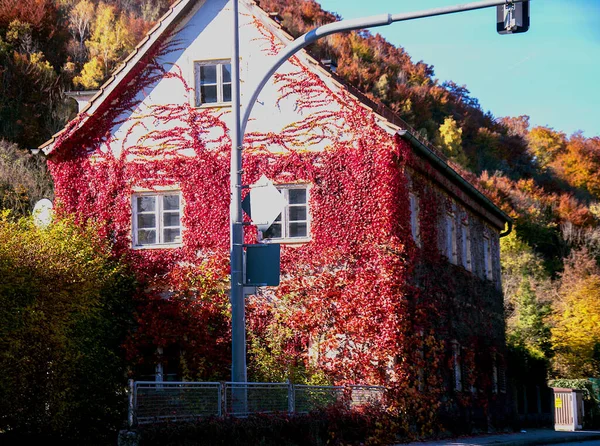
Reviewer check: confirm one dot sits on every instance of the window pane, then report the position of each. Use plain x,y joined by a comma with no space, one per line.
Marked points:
208,74
274,231
297,213
145,221
297,196
171,219
208,94
298,230
146,237
146,204
171,202
226,72
227,93
172,235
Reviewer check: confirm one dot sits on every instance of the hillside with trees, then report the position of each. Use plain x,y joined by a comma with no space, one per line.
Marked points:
546,180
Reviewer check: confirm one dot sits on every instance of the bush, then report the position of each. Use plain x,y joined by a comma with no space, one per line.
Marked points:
332,426
65,308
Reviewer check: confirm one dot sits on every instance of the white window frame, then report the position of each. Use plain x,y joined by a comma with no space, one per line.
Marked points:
414,218
450,241
466,245
487,257
159,219
456,366
219,82
285,216
494,373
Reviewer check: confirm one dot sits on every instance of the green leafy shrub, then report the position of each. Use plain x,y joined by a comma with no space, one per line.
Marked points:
64,312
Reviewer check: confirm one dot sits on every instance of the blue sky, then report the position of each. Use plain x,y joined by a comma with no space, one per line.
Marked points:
551,73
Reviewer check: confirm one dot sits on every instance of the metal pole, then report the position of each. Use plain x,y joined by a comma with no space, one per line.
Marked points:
238,129
131,406
350,25
238,317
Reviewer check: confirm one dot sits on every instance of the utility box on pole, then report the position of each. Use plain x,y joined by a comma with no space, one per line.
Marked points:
568,409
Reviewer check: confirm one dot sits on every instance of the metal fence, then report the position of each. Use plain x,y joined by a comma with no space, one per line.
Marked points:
151,401
174,400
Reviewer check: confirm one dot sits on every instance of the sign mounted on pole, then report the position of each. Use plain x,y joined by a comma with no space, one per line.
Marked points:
512,18
264,203
262,265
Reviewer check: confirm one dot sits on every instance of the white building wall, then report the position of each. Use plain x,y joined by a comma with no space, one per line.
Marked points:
207,35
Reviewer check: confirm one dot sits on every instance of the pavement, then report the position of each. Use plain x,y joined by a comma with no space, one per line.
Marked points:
527,437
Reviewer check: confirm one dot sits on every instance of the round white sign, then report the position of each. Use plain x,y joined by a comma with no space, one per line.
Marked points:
42,213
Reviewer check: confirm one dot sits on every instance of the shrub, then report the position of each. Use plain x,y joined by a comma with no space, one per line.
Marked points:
64,312
335,425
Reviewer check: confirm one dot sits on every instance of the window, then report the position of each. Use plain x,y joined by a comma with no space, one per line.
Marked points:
501,367
156,219
494,374
213,82
487,258
450,242
466,245
294,221
414,217
456,366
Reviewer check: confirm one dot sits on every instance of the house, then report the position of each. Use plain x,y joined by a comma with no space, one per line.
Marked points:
390,258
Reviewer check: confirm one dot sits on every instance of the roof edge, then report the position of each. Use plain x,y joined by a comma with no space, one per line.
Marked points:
453,175
175,11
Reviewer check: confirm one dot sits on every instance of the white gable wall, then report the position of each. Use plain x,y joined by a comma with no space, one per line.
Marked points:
206,35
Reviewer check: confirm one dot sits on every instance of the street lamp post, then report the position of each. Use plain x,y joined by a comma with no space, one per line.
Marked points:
240,120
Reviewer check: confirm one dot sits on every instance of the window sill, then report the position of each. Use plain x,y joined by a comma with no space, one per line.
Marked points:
214,105
287,241
157,246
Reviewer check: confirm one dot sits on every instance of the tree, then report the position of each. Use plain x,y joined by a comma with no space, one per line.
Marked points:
110,37
450,140
91,75
545,144
65,307
518,126
526,287
80,19
579,163
24,179
30,93
576,331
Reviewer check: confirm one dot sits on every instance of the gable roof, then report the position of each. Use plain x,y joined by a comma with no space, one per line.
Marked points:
181,8
177,11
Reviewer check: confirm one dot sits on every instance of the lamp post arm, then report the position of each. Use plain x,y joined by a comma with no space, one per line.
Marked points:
351,25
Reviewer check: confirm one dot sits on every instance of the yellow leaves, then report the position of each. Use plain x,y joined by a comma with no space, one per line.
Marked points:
576,334
110,39
450,141
545,144
91,75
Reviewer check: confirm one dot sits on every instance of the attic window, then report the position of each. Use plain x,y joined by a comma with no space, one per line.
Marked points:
213,82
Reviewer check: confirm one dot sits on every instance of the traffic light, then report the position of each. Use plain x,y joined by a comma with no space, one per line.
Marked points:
512,18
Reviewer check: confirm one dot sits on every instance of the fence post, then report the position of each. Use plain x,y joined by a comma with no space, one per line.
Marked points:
131,408
291,398
222,399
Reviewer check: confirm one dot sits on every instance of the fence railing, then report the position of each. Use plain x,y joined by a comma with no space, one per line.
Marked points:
152,401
